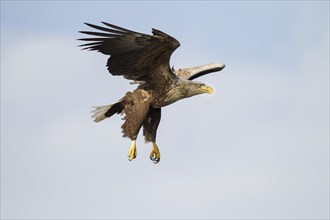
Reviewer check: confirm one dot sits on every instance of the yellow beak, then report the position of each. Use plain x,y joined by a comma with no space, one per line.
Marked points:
207,89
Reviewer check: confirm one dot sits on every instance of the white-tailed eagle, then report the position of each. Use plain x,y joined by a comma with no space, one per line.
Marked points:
145,60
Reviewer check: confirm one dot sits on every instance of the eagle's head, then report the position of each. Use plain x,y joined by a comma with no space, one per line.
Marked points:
196,88
185,89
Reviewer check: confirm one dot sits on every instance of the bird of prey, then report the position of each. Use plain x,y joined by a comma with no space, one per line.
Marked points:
144,59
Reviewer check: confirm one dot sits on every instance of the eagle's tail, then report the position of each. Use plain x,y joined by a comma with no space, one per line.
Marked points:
105,111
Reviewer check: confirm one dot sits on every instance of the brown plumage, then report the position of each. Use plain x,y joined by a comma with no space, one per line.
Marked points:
136,108
145,60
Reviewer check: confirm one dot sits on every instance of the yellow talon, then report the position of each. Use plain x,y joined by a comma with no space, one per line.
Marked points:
132,151
155,154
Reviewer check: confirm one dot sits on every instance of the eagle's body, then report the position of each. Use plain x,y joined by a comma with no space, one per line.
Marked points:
144,59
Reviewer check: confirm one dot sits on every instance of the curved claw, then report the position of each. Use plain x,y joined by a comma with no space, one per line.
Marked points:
155,154
132,151
154,159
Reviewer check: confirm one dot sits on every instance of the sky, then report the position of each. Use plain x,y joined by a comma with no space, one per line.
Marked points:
257,148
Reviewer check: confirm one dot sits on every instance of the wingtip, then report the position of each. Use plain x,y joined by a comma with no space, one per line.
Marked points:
108,24
89,24
218,66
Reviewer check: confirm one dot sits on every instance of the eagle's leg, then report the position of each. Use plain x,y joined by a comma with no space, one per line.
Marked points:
132,151
150,130
155,154
136,108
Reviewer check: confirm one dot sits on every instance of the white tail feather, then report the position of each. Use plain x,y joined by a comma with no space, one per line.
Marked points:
99,112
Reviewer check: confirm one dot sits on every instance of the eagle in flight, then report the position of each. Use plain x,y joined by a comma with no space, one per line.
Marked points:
145,59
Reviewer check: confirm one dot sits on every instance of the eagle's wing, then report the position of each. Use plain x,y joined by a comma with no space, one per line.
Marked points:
134,55
197,71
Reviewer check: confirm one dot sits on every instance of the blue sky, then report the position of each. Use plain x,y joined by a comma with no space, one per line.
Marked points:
257,148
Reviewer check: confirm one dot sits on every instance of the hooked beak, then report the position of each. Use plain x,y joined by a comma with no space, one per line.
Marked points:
207,89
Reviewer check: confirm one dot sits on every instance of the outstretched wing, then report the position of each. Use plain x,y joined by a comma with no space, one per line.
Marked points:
197,71
134,55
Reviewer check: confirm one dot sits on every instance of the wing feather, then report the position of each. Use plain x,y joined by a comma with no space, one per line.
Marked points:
117,27
104,29
134,55
99,34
